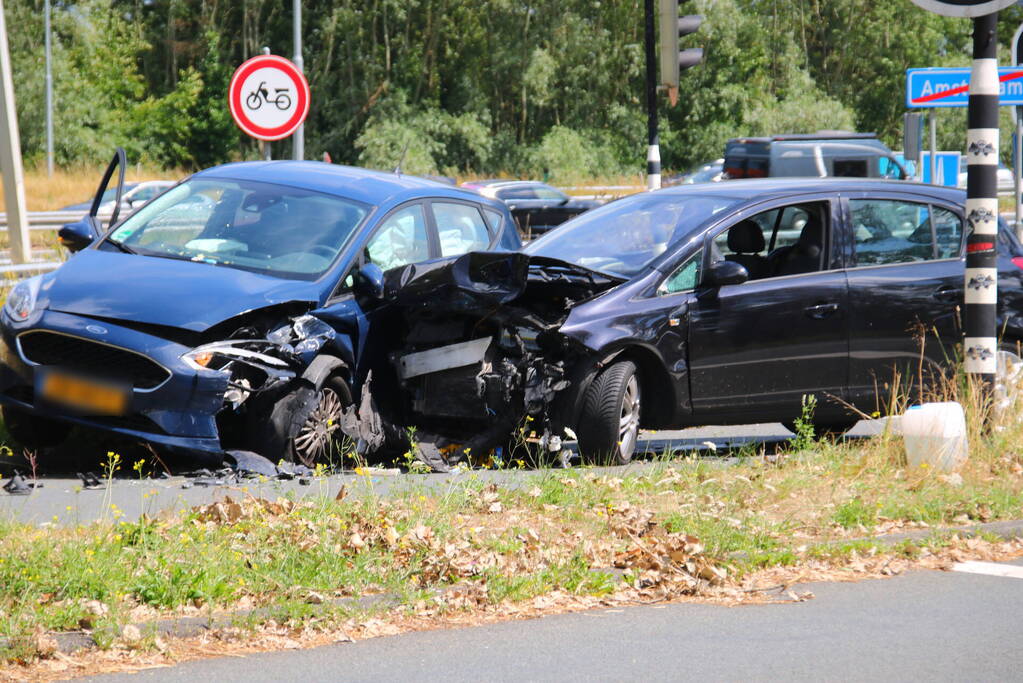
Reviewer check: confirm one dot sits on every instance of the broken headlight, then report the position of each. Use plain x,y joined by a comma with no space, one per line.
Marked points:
218,355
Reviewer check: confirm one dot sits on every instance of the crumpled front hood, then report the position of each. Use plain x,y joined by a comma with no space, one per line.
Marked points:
159,291
487,279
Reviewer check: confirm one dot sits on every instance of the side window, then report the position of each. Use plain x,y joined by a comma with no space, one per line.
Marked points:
494,218
685,277
889,231
517,192
400,240
460,228
948,232
550,193
775,243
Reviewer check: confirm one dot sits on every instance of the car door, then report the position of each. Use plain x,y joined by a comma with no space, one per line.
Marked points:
756,348
905,283
401,237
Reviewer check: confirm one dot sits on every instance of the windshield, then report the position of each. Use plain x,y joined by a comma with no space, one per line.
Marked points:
270,229
623,237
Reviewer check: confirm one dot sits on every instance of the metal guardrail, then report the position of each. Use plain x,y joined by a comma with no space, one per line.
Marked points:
50,220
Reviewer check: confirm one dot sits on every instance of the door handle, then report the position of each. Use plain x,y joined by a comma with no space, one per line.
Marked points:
948,294
819,311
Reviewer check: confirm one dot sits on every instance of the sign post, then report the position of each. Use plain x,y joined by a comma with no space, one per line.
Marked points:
1017,140
980,293
268,98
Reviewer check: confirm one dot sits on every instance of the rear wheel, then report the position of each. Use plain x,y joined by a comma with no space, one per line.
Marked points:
32,431
609,424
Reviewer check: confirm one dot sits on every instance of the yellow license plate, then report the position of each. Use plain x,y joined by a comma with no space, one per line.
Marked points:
85,395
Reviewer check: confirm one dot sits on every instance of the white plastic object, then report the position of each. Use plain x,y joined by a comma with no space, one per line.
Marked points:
935,435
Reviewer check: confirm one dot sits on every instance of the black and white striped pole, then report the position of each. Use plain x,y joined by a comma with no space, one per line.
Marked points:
653,150
980,298
980,345
673,61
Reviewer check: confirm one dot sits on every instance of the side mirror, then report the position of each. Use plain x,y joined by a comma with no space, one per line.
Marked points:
77,236
726,273
369,282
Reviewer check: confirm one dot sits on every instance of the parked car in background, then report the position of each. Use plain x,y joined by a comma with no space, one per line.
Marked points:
133,196
1006,179
710,172
719,303
825,154
537,207
236,310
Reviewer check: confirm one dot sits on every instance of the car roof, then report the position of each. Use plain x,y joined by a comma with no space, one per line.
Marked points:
766,188
360,184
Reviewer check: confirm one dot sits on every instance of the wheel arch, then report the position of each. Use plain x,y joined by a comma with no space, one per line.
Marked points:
654,381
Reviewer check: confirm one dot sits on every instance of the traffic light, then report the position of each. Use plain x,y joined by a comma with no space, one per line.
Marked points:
673,60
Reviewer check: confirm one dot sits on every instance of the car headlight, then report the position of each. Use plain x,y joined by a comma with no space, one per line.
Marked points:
22,299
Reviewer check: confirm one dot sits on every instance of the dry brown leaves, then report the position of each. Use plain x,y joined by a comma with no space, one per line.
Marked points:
664,563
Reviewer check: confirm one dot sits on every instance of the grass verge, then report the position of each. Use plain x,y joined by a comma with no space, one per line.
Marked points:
678,527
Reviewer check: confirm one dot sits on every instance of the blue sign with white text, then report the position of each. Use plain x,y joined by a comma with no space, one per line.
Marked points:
936,87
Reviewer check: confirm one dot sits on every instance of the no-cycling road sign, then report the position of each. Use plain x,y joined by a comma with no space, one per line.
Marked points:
936,87
268,97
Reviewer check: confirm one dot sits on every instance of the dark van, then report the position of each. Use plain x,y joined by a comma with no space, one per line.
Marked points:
819,155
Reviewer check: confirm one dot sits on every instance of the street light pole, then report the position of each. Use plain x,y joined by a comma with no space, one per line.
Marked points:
49,92
298,139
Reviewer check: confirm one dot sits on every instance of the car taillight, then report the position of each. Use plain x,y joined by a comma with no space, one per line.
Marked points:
1018,261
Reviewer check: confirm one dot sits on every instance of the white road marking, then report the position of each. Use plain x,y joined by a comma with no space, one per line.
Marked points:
990,568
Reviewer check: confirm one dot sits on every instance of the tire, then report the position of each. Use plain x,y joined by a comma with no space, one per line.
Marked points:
609,423
32,431
304,425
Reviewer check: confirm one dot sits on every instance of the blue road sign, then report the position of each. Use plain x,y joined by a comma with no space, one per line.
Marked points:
937,87
946,167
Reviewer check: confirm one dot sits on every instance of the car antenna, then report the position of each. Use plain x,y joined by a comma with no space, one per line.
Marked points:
397,169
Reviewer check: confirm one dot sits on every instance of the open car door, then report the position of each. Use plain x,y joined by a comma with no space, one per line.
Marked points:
80,234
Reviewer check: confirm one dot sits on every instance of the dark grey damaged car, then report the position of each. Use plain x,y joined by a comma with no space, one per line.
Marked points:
714,304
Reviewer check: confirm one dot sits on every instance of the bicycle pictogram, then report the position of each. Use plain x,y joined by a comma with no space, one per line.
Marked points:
257,97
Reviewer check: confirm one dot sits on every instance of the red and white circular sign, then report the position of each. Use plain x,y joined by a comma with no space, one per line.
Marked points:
269,97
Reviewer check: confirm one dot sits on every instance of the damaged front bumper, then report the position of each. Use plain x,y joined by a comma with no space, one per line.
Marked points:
173,404
178,395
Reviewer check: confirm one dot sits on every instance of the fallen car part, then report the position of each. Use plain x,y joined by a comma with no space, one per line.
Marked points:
17,486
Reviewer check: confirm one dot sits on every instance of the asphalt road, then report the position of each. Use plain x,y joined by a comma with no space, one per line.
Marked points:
927,625
63,501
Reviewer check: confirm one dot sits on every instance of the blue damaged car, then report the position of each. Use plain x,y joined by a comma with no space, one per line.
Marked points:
236,310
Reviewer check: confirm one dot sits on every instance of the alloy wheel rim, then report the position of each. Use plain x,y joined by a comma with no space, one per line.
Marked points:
628,421
315,439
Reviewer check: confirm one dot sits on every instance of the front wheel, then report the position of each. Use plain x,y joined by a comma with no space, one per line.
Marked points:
609,424
304,426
